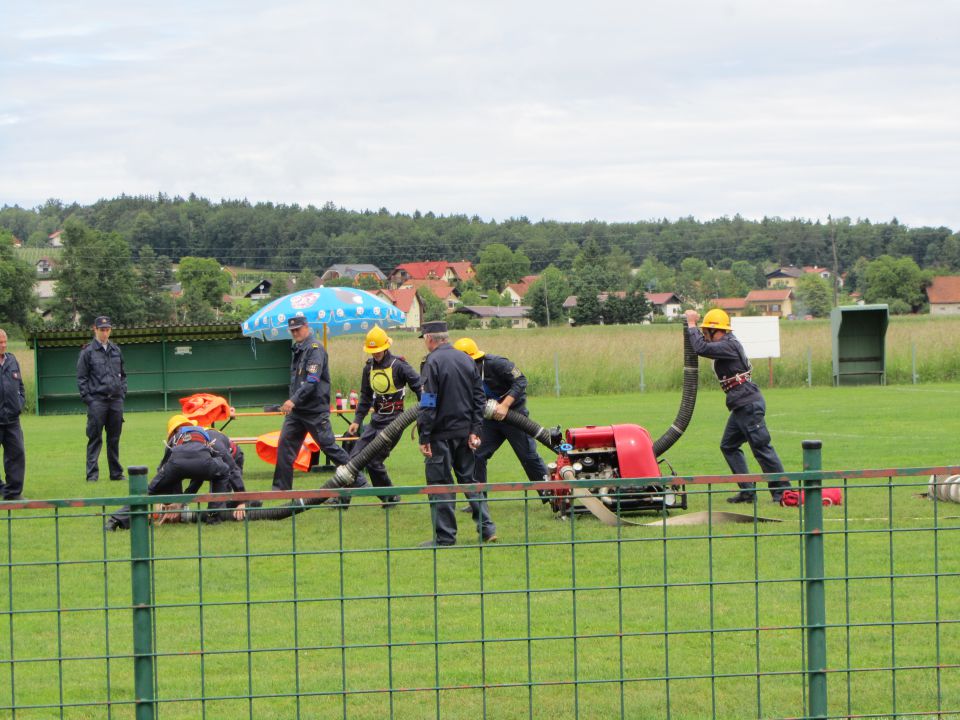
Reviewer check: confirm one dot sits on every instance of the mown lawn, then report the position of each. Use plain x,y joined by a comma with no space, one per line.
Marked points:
341,600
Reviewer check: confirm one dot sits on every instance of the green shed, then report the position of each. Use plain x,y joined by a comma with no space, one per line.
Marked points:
164,364
859,335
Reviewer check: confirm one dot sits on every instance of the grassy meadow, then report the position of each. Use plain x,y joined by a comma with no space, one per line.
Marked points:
366,618
323,605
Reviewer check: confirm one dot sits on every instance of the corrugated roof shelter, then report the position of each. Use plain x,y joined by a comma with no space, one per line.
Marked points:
165,363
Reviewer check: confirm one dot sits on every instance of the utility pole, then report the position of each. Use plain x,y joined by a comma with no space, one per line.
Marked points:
546,297
836,272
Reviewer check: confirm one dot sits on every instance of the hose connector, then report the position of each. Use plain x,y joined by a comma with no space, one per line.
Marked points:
489,407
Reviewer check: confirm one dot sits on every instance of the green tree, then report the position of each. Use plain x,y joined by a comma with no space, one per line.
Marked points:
204,284
153,283
96,278
499,265
655,276
546,295
433,307
17,298
888,278
587,310
813,296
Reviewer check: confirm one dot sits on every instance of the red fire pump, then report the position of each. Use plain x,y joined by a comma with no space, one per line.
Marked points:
612,452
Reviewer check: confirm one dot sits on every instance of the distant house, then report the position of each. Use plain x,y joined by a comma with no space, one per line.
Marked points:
54,239
784,277
448,272
449,294
516,316
354,272
260,291
944,295
44,266
517,291
44,289
407,300
734,307
771,302
666,304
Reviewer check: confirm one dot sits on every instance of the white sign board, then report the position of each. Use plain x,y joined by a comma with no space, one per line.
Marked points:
760,336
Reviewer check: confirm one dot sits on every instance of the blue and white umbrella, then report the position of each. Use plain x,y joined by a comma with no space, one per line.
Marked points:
331,311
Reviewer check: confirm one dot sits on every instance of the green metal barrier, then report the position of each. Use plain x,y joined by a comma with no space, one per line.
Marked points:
839,612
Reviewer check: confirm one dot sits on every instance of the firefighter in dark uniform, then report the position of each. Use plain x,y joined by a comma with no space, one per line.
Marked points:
502,381
451,410
308,408
747,408
12,400
102,382
199,455
382,387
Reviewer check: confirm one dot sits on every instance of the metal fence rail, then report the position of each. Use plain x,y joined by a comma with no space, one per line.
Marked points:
839,612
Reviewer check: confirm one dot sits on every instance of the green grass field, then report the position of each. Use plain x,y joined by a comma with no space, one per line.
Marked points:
367,619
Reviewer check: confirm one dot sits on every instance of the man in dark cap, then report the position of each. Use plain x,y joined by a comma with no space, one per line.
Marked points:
102,382
12,400
307,410
451,412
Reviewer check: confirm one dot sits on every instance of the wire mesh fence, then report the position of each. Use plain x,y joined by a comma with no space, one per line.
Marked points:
851,610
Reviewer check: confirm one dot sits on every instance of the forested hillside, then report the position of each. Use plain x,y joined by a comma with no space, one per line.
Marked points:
292,238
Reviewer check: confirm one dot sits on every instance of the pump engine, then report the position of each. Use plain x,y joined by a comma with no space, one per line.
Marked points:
613,452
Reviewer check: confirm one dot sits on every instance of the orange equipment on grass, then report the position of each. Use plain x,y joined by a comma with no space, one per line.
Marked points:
267,450
205,409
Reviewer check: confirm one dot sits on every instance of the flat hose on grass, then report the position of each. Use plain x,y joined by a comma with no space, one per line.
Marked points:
345,475
688,399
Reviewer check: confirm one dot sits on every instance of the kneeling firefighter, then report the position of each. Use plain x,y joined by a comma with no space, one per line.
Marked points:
199,455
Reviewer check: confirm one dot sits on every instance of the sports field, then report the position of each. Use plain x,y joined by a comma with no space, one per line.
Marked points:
321,620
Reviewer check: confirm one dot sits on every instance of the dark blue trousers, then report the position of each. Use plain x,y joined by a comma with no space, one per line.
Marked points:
748,424
14,459
104,414
294,430
454,457
493,433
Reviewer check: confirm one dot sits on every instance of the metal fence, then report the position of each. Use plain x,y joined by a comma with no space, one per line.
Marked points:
842,611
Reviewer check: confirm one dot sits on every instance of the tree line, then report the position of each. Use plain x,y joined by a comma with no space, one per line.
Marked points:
132,242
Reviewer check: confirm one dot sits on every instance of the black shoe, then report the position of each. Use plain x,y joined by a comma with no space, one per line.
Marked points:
112,524
742,497
389,501
92,479
434,544
777,498
118,478
15,498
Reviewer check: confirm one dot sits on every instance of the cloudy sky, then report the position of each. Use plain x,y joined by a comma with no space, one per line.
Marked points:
611,110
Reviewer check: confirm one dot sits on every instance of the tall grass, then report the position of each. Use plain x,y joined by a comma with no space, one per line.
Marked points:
601,360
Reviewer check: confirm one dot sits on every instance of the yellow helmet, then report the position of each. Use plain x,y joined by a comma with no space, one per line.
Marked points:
716,319
377,340
177,421
469,346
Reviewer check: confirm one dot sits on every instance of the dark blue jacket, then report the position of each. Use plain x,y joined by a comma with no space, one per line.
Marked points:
100,373
12,397
500,377
729,359
309,378
451,401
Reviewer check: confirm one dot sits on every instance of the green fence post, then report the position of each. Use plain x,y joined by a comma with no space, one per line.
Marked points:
140,566
816,619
